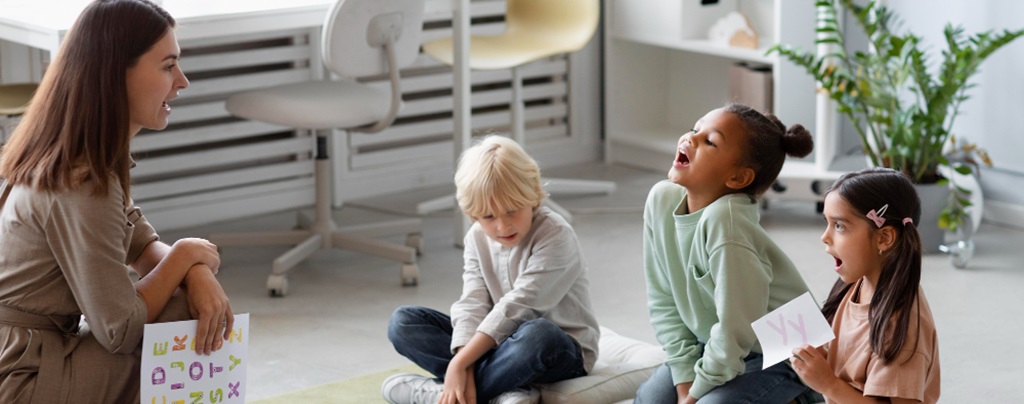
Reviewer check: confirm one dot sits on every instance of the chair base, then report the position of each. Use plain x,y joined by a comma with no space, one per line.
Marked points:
321,232
307,242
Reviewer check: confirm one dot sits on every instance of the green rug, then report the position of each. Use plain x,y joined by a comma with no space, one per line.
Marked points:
359,389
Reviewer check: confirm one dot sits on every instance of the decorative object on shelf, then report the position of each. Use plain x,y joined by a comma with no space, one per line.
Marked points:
751,85
903,110
733,30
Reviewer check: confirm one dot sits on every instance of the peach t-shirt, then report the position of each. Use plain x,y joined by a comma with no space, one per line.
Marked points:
852,361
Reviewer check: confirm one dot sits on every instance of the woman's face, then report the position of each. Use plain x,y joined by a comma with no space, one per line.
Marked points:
152,82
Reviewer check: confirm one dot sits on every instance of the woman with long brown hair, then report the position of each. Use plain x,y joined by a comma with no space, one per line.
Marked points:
70,234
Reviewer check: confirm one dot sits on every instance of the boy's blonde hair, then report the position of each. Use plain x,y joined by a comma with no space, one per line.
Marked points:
495,176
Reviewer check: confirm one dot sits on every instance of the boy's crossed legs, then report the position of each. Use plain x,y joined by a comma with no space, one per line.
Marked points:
537,352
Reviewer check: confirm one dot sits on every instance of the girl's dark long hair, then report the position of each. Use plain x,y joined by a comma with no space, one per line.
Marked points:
79,116
895,296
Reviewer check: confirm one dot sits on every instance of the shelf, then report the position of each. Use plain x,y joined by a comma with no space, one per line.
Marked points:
806,170
662,74
704,47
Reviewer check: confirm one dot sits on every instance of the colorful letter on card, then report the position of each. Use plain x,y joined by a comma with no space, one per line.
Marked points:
790,326
179,374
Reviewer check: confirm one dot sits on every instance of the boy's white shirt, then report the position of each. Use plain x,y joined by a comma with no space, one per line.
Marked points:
543,276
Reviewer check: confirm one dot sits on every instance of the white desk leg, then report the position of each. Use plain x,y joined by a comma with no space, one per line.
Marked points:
461,93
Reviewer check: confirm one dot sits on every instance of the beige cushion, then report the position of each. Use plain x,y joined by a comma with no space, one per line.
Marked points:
622,364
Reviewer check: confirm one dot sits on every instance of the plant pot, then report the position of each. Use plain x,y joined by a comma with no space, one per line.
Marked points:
933,199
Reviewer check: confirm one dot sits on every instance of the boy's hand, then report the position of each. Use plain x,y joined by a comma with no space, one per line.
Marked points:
459,386
810,364
470,386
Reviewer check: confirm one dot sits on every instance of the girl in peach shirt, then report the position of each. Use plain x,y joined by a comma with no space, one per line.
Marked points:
886,345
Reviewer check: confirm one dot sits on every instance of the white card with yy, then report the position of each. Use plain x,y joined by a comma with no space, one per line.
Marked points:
794,324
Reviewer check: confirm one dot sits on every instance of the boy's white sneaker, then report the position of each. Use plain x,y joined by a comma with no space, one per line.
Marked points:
411,388
518,396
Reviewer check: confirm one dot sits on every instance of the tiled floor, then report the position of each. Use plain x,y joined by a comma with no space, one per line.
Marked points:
332,324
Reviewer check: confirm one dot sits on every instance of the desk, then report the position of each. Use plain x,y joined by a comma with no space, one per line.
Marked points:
42,24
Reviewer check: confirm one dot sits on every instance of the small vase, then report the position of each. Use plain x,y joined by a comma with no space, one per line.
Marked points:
959,245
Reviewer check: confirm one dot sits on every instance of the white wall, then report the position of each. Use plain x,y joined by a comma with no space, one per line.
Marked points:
992,117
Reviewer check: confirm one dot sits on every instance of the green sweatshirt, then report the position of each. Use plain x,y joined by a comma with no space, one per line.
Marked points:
710,274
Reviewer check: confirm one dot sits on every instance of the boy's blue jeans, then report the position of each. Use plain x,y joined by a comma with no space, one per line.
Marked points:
777,384
538,352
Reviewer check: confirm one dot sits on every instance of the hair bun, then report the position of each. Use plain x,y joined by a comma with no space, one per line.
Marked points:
797,141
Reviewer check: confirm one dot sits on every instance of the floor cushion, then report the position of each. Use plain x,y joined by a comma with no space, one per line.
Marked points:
622,364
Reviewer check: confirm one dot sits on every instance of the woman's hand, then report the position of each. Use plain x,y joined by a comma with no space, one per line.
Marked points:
199,251
812,367
208,303
459,386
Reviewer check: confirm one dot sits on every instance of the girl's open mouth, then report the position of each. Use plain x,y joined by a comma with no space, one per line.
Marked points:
839,263
681,159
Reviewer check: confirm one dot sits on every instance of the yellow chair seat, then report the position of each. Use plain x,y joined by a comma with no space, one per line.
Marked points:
534,29
14,98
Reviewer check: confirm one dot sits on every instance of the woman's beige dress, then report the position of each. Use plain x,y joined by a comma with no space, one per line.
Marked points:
63,256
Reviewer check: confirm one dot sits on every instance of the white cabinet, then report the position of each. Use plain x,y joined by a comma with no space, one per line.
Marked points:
662,74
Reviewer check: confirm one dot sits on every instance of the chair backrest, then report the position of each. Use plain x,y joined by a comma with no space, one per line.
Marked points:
570,22
14,98
353,31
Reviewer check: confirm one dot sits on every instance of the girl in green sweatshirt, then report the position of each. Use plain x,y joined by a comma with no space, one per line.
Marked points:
711,268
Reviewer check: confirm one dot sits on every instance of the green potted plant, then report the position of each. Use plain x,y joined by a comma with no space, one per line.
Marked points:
902,108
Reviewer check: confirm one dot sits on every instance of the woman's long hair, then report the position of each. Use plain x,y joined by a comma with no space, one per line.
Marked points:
896,293
77,126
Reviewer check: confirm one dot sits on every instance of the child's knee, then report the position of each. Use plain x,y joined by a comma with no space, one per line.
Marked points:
540,332
402,317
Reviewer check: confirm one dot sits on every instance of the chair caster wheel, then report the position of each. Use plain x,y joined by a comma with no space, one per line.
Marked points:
410,274
415,240
277,285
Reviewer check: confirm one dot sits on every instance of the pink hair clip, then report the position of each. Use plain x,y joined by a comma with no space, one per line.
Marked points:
877,216
907,220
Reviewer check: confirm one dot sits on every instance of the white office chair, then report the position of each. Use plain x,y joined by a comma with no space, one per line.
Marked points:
534,29
360,38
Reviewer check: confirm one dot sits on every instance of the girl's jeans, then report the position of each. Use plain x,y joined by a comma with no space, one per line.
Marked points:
537,352
777,384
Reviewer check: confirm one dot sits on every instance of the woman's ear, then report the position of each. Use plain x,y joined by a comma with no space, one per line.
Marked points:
742,177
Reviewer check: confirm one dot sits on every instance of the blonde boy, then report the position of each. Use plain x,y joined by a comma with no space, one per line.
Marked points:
524,316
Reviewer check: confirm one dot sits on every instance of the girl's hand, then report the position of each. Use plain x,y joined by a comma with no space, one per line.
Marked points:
208,303
458,386
683,393
199,251
810,364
